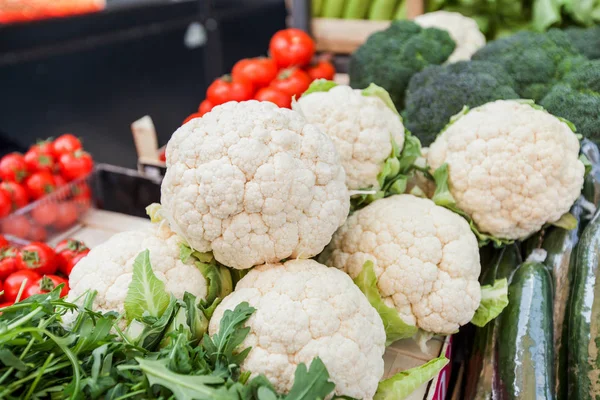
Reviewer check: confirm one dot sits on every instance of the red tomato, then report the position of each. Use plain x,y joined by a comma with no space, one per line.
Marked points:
8,262
13,168
66,215
65,144
71,245
81,192
59,180
38,161
191,117
291,47
45,214
44,146
16,225
321,70
292,81
162,156
40,184
38,257
37,233
226,89
5,204
3,243
6,304
273,95
205,106
75,165
18,194
259,71
46,284
68,259
14,281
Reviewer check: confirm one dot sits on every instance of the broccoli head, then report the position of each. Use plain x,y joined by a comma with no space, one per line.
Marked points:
391,57
532,59
577,98
437,93
586,40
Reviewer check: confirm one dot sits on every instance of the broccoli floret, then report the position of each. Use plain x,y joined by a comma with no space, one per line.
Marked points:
391,57
577,98
532,59
439,92
586,40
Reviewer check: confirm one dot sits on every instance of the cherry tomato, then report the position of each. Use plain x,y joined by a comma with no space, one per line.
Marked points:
40,184
44,146
37,233
16,225
3,243
81,192
321,70
8,262
59,180
6,304
259,71
69,256
162,156
13,168
292,81
226,89
291,47
45,214
38,161
66,215
14,281
191,117
273,95
65,144
71,245
205,106
46,284
75,165
38,257
5,204
17,193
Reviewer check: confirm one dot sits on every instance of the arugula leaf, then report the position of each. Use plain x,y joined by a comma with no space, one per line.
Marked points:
494,299
401,385
146,293
395,327
311,384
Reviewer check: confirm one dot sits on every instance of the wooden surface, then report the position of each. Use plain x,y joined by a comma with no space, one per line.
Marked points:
343,35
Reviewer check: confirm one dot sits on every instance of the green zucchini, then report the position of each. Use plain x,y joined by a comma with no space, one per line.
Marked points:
524,340
356,9
382,10
584,317
332,8
483,361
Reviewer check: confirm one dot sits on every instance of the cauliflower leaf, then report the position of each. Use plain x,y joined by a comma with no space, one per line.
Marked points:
395,327
377,91
494,298
401,385
443,197
146,294
319,85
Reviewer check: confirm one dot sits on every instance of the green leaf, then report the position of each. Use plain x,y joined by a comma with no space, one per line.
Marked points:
378,91
153,211
8,358
401,385
264,393
196,320
567,222
442,197
218,279
146,293
494,298
464,111
319,85
311,384
545,14
183,387
395,327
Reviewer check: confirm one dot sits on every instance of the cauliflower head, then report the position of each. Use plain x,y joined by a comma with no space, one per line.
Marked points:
512,167
305,310
425,257
254,183
463,30
361,127
108,268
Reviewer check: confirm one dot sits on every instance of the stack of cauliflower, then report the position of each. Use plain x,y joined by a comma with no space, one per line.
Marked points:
254,185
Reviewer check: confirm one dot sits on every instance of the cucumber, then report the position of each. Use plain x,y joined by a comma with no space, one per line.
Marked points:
357,9
584,317
332,8
524,340
382,10
316,7
482,365
401,10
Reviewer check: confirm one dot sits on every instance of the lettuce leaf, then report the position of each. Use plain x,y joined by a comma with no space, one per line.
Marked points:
494,298
401,385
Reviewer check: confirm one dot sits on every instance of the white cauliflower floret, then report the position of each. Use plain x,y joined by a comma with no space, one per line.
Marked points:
361,127
254,183
425,257
305,310
463,30
512,168
108,268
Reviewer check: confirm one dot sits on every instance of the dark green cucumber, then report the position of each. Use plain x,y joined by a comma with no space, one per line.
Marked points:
584,317
482,363
524,339
591,188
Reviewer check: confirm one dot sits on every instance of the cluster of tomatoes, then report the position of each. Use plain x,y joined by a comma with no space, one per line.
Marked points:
287,73
37,268
45,168
29,10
